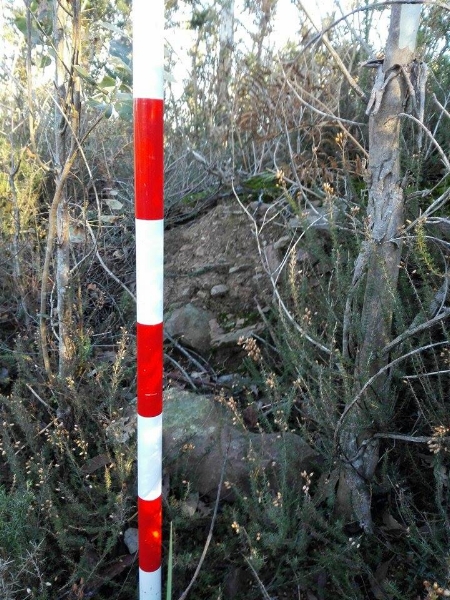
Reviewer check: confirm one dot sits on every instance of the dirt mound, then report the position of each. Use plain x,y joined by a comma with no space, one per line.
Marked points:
214,264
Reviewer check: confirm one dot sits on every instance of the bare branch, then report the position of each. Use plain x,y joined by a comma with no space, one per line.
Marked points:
319,112
370,381
438,3
432,138
443,109
351,80
413,330
300,330
211,529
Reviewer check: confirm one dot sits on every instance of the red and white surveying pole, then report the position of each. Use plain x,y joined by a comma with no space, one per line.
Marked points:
148,74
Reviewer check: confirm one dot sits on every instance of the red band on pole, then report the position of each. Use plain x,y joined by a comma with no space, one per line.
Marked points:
149,523
150,367
149,165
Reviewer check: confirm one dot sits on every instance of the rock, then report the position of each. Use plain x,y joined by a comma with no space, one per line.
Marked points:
282,243
239,268
130,539
257,208
200,433
215,329
221,340
191,324
219,290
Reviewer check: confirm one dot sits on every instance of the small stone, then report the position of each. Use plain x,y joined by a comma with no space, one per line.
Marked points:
282,243
191,325
238,269
130,539
219,290
258,208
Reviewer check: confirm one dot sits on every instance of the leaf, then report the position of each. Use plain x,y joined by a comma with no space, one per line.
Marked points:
377,582
124,97
120,50
77,234
113,203
112,570
108,356
45,61
203,510
125,111
100,105
84,74
21,23
113,28
107,83
391,524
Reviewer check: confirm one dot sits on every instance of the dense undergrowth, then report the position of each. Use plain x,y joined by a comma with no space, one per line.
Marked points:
68,473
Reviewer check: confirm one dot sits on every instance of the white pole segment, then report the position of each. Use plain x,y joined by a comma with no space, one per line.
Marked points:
148,49
149,271
150,457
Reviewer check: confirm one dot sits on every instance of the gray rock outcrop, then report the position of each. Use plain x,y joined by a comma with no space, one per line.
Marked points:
201,434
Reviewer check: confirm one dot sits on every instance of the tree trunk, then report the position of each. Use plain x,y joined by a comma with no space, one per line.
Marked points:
226,45
379,259
62,134
67,42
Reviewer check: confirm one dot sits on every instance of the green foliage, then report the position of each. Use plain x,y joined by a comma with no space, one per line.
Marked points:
67,483
73,481
17,526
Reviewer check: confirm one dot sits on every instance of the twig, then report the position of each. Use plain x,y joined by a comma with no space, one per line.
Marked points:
49,408
107,270
211,528
338,120
426,374
413,330
436,205
432,138
351,80
258,580
421,439
187,354
437,3
183,371
369,382
320,112
274,286
443,109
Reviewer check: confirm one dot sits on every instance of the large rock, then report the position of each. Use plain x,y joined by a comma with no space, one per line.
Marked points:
201,434
190,324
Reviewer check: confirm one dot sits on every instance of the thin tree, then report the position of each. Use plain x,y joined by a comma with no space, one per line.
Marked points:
67,46
378,263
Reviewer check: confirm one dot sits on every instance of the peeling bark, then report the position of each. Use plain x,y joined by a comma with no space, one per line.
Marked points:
380,256
67,42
